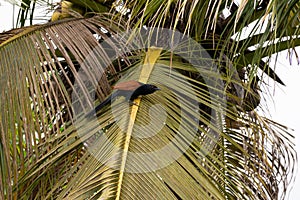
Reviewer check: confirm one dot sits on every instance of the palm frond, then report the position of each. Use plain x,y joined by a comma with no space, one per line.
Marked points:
177,143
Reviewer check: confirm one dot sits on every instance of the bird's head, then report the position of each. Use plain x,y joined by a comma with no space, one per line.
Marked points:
144,90
152,88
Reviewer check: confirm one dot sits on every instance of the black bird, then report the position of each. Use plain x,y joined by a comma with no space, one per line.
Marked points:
130,90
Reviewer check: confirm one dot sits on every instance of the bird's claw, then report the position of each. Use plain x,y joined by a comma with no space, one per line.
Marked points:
133,103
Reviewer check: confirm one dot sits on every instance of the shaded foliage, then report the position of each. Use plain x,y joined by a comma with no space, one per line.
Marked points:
227,151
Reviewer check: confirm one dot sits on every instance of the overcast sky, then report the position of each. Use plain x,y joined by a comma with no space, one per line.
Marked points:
285,108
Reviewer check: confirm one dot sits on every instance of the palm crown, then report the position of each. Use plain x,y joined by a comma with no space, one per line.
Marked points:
200,138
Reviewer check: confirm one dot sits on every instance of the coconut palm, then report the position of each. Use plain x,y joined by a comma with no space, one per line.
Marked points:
199,137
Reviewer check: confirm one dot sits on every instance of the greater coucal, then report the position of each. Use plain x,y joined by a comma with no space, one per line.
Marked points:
130,90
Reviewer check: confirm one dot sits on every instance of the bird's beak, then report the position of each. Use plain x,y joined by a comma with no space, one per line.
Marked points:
157,88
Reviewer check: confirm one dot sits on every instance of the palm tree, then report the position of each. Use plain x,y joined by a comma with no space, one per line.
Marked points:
199,137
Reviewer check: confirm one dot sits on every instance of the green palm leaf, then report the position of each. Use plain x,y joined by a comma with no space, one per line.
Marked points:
191,140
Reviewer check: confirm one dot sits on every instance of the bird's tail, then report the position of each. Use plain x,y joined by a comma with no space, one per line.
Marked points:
104,103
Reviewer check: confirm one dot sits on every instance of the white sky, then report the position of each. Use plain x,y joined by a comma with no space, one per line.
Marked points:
5,15
286,99
286,107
